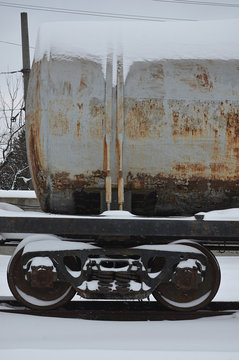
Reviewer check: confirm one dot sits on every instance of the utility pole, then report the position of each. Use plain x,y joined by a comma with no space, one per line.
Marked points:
25,53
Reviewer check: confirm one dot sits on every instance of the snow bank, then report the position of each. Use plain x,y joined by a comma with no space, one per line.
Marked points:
25,194
9,207
36,337
117,214
138,41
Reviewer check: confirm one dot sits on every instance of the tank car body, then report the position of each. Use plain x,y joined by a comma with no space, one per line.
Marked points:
157,124
142,118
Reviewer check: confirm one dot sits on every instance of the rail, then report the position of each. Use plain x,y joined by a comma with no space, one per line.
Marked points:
122,310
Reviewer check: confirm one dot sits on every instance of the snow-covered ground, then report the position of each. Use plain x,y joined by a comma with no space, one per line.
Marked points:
32,337
17,194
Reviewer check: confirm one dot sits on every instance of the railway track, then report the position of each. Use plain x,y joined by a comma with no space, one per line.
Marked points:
121,310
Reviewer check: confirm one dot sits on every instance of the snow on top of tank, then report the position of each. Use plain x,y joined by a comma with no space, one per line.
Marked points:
138,41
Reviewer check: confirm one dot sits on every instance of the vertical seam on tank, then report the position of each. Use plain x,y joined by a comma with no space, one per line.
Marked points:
120,129
49,190
108,128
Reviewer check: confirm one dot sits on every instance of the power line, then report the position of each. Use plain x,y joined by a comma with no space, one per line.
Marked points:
20,109
90,13
10,72
12,43
9,43
201,3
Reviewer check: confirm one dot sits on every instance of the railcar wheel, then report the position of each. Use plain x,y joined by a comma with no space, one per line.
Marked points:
35,297
190,288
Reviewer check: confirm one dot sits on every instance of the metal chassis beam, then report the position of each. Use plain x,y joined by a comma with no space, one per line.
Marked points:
152,230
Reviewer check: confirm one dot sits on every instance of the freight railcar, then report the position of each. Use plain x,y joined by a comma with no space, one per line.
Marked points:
128,123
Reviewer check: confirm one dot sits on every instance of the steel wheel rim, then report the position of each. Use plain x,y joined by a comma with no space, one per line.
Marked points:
44,299
213,279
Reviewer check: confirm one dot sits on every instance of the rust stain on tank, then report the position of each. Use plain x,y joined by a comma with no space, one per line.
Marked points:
58,122
185,126
229,121
143,118
200,78
78,128
197,184
37,161
144,181
232,119
80,107
219,169
62,180
189,168
105,154
158,73
78,122
96,121
117,152
203,80
66,88
188,119
83,84
36,153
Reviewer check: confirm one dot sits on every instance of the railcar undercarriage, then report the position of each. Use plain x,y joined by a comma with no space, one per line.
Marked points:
182,275
46,271
106,261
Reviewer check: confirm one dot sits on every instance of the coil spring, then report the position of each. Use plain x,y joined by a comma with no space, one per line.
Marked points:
122,280
106,279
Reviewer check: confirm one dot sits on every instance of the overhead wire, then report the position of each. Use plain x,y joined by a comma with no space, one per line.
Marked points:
10,72
13,43
91,13
201,3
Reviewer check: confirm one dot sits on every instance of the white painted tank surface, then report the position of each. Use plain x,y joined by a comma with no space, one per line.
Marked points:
135,115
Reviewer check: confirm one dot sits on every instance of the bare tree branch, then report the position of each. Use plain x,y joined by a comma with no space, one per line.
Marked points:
14,169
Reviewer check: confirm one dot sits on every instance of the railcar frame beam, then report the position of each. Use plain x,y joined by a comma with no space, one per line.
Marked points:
152,230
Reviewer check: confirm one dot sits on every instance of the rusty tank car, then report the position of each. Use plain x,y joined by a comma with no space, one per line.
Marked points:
125,126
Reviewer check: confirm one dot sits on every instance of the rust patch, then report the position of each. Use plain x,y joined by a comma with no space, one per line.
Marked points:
59,116
97,110
78,122
37,160
78,128
188,119
198,77
228,119
143,118
118,152
83,84
219,169
186,183
36,153
157,72
105,154
203,80
62,180
96,121
66,88
183,196
232,119
59,124
80,107
143,180
189,168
